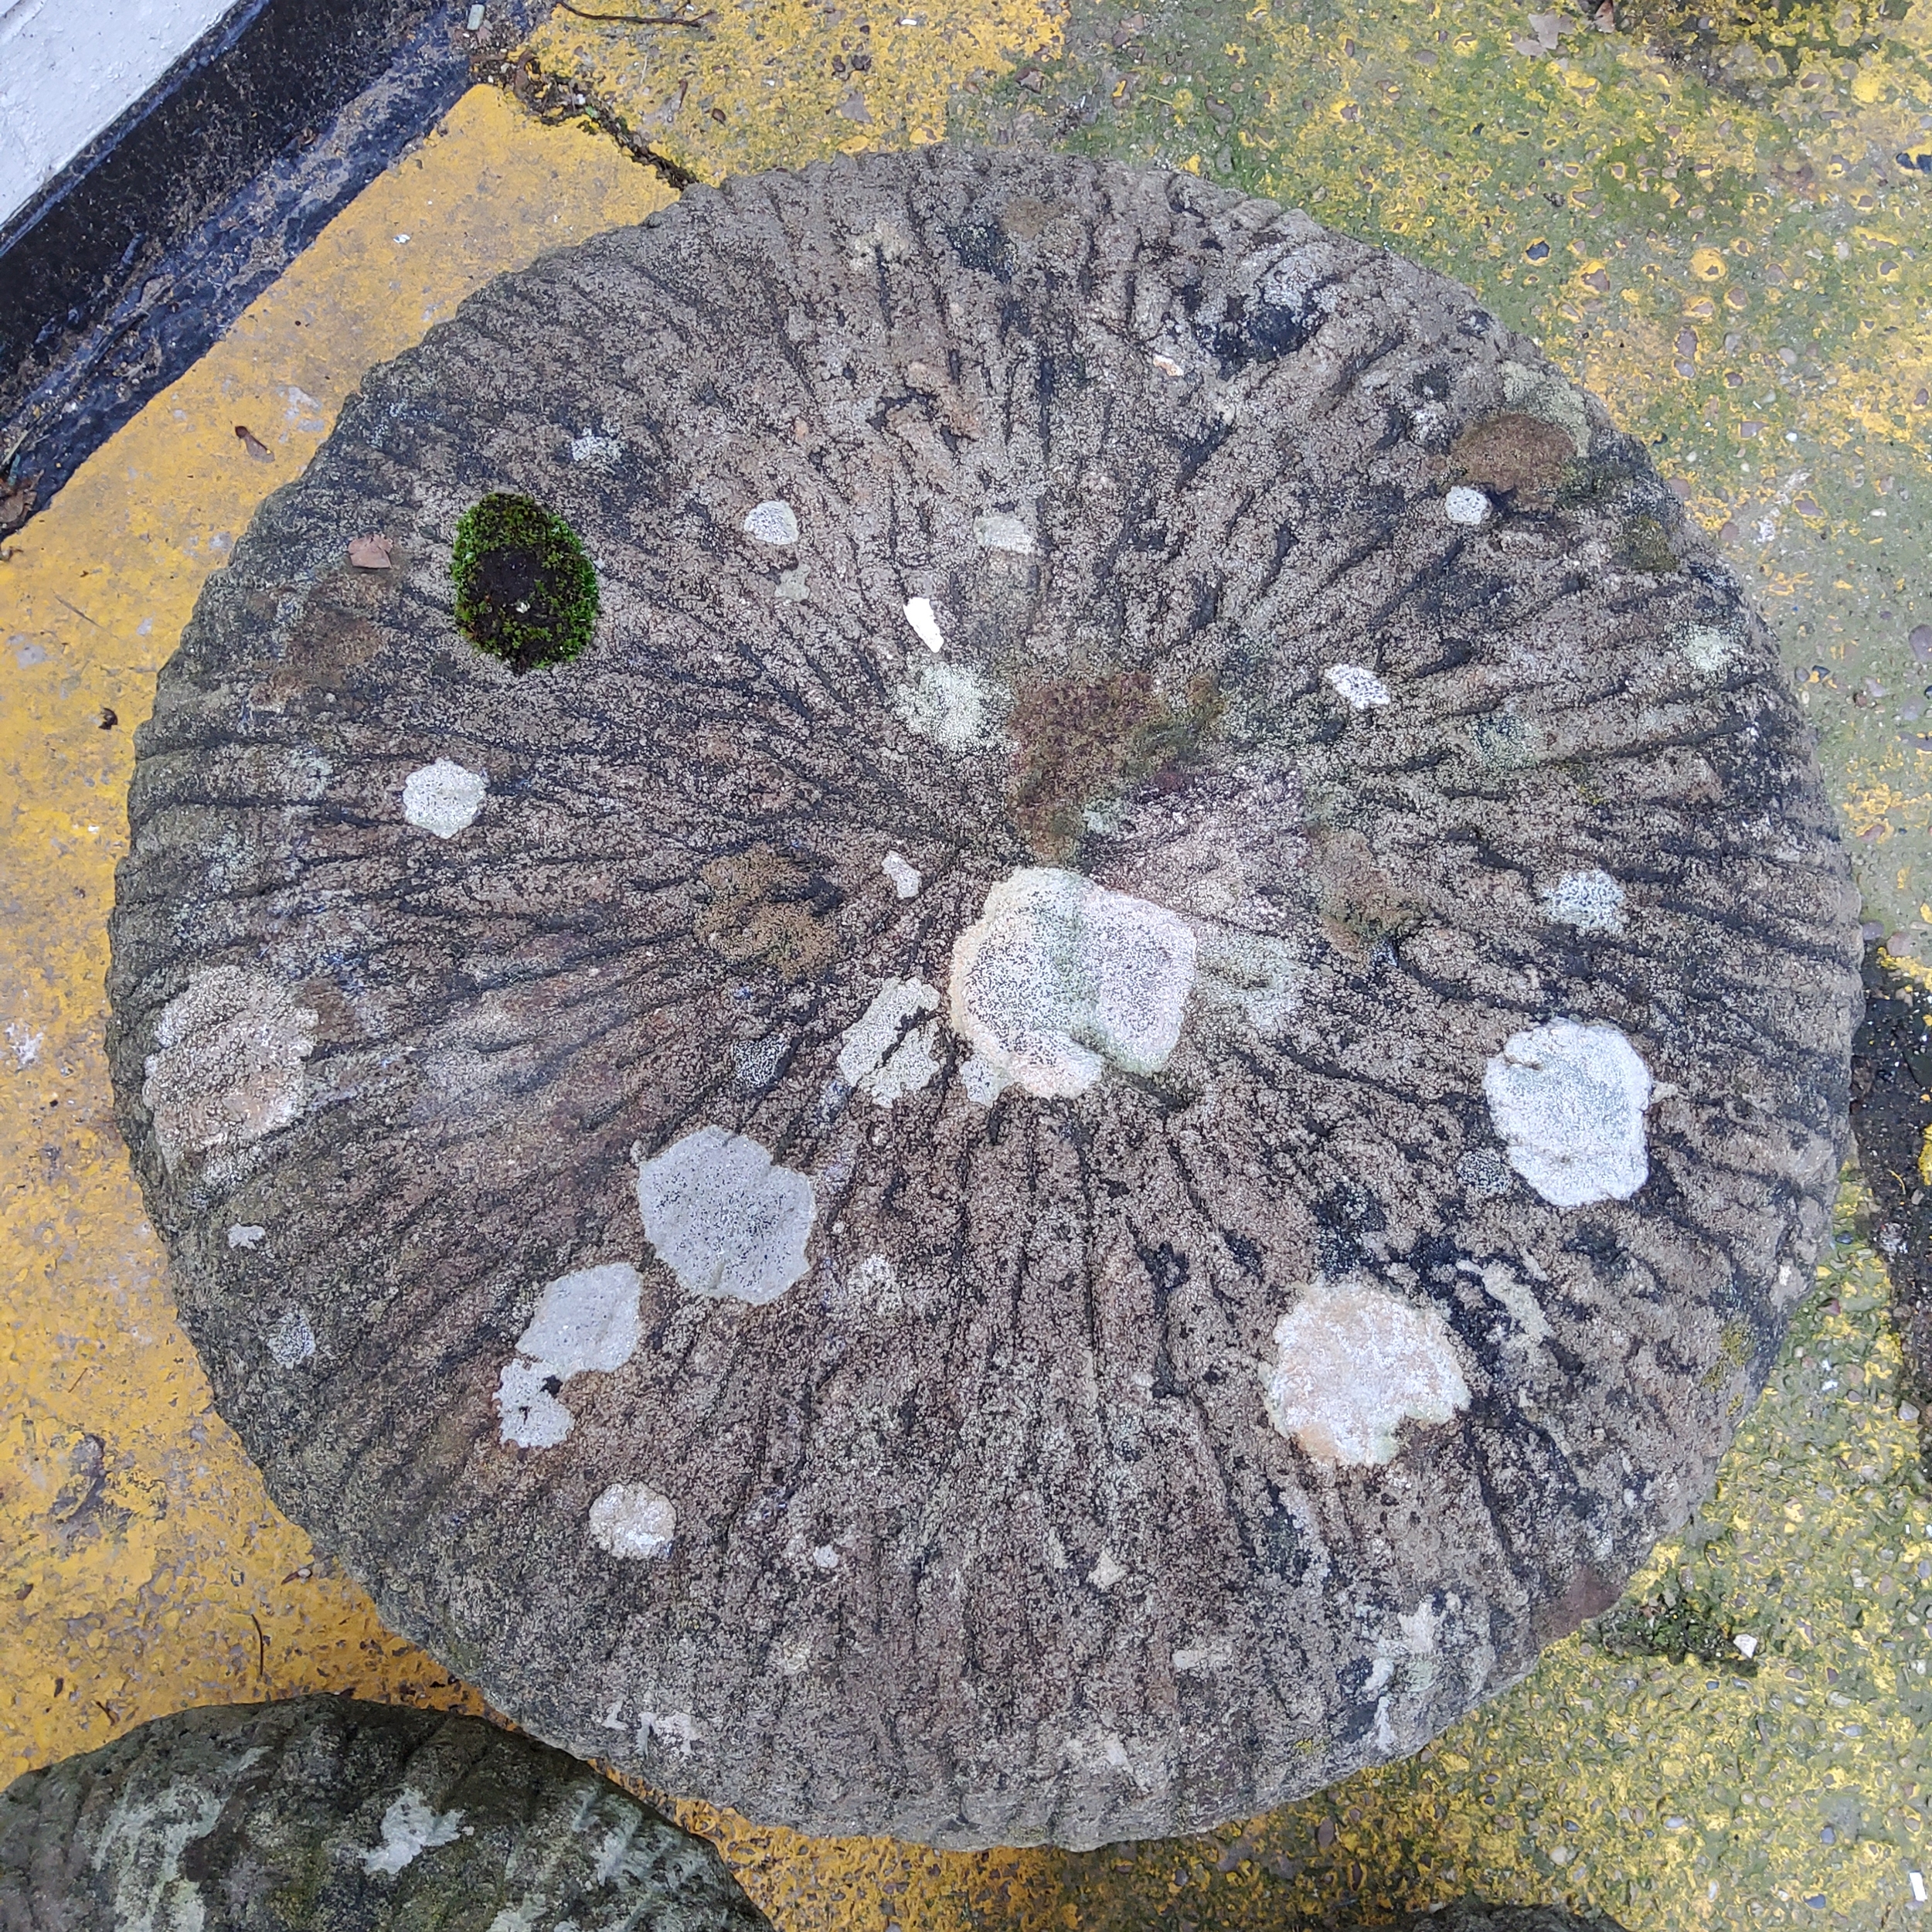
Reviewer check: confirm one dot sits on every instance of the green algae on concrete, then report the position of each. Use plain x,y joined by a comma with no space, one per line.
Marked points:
1740,260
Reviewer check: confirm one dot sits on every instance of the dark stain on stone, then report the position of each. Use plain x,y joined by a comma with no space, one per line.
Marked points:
1891,1118
1516,455
1078,742
763,909
1644,544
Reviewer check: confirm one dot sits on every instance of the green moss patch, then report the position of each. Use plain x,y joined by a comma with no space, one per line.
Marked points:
525,591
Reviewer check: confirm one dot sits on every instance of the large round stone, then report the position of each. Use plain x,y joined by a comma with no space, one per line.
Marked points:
323,1814
1120,1094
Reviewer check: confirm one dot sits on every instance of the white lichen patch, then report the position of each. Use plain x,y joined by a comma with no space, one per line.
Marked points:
724,1217
411,1826
444,797
633,1521
1361,687
138,1849
1465,505
925,623
1106,1572
878,1056
791,588
1705,649
904,876
1058,976
949,703
227,1068
1591,901
774,521
246,1235
1352,1363
584,1322
601,452
1002,530
291,1341
1204,1659
982,1081
1257,975
1569,1100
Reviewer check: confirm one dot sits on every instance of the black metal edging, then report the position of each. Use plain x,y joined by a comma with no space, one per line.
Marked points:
127,267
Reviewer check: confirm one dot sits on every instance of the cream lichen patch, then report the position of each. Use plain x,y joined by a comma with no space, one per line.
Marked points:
444,797
1352,1363
1002,530
1500,1284
1591,901
949,703
1541,393
905,876
633,1521
774,521
1360,686
1058,976
411,1826
584,1322
982,1081
724,1217
228,1066
877,1056
1569,1101
1463,505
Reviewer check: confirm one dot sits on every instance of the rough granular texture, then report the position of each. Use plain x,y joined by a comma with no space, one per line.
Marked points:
1468,1915
1193,1294
323,1814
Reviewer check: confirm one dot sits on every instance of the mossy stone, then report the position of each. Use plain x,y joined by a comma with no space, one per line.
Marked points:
328,1815
525,590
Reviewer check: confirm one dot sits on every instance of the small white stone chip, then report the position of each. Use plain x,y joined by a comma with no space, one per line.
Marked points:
1058,976
724,1217
1745,1643
905,877
919,615
1592,901
1463,505
1352,1363
1107,1572
243,1236
772,521
1002,530
632,1520
1918,1886
444,797
1569,1102
1361,688
1908,1412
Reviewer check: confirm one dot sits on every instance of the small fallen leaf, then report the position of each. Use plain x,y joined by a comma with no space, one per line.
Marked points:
370,553
16,505
252,444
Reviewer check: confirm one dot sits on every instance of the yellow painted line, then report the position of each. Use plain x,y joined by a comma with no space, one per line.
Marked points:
772,83
142,1568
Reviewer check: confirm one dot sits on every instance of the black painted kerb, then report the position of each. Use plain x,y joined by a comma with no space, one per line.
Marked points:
128,265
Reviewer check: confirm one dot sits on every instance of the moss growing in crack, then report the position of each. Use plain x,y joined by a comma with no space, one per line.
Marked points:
1645,545
525,591
1676,1624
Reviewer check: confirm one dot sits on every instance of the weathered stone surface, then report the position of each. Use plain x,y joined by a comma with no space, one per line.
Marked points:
1121,1094
1469,1915
325,1814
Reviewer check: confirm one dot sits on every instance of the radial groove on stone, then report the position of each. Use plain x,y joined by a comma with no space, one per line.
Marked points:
323,1815
956,1484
